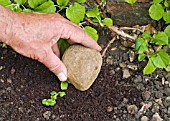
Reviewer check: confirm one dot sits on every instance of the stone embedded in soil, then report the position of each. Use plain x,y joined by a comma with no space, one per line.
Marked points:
47,114
126,73
132,109
83,66
144,118
156,117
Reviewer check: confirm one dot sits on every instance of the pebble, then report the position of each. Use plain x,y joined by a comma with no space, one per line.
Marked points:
109,60
138,79
146,95
166,102
155,108
12,70
122,65
126,73
167,91
144,118
156,117
109,109
158,94
133,67
9,81
168,110
47,115
131,56
132,109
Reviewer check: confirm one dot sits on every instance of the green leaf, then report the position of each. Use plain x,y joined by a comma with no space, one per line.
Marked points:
130,1
35,3
141,57
167,3
150,67
46,7
156,11
167,30
64,85
166,17
14,7
94,12
5,2
81,1
162,59
61,94
53,93
160,38
92,32
141,45
27,10
62,45
62,3
108,22
157,1
48,102
53,97
75,13
146,35
21,2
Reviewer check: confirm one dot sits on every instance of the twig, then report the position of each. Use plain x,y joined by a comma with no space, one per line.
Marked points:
129,28
121,33
108,45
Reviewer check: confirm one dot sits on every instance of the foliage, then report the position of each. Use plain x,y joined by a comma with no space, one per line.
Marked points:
53,95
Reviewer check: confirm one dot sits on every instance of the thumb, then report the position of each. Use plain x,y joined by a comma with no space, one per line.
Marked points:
55,65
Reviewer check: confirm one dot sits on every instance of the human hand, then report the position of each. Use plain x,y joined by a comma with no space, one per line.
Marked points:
35,35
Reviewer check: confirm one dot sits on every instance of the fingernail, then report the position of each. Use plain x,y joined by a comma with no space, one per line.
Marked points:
61,76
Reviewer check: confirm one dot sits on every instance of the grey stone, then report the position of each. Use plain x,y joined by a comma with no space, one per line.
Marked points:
167,91
158,94
144,118
168,110
146,95
47,115
132,109
156,117
166,102
126,73
83,66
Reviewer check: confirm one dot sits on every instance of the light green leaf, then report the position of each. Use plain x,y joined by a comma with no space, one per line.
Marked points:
62,45
141,57
167,30
156,11
166,17
27,10
108,22
61,94
130,1
146,35
46,7
21,2
35,3
161,60
167,3
48,102
64,85
75,13
141,45
62,3
93,12
5,2
81,1
14,7
53,93
160,38
157,1
92,32
150,67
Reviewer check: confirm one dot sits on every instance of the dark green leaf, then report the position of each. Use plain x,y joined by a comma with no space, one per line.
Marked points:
61,94
160,38
21,2
81,1
62,3
64,85
94,12
62,45
46,7
150,67
35,3
141,45
156,11
166,17
141,57
130,1
146,35
161,60
75,13
5,2
167,30
108,22
92,32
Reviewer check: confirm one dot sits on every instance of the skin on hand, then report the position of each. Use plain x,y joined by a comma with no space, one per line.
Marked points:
35,35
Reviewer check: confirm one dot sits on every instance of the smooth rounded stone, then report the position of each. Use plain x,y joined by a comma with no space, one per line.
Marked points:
158,94
126,73
144,118
167,91
156,117
83,66
47,114
166,102
132,109
146,95
168,110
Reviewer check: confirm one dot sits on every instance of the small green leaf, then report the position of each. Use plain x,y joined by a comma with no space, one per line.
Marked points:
92,32
81,1
54,97
141,45
35,3
64,85
157,1
53,93
130,1
167,3
48,102
162,59
61,94
62,45
75,13
94,12
160,38
21,2
46,7
108,22
14,7
150,67
166,17
62,3
141,57
27,10
167,30
156,11
5,2
146,35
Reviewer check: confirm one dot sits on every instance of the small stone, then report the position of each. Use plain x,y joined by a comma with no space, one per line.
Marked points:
126,73
12,70
1,67
167,68
109,60
155,108
158,94
156,117
132,109
168,110
122,65
131,56
138,79
133,67
47,115
144,118
109,109
167,91
9,81
146,95
2,81
83,66
166,102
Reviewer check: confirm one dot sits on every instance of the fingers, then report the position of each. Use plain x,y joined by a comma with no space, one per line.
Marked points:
75,34
56,50
55,65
